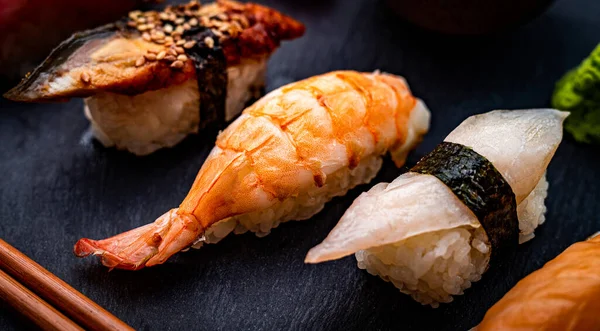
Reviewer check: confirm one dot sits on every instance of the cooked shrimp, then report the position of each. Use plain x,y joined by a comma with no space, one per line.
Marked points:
282,159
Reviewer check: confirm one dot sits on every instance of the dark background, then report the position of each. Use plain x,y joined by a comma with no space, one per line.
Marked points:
56,185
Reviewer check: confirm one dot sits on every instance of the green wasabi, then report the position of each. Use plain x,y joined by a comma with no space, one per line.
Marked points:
578,91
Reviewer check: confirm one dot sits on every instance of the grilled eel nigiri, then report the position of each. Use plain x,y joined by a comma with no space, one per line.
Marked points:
282,159
154,77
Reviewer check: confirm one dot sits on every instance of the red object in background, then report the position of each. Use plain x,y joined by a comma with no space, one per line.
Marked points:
29,29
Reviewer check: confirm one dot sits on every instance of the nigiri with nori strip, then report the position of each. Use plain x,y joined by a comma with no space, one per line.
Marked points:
435,229
153,78
282,159
562,295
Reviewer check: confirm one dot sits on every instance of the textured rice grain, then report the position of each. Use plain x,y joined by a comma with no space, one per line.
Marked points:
152,120
434,266
301,207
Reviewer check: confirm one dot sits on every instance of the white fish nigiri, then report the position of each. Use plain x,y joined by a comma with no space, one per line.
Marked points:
416,233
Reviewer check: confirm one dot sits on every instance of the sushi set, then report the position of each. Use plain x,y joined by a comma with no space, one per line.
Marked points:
154,80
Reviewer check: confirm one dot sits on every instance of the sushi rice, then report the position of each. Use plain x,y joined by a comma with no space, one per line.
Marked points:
434,266
298,208
152,120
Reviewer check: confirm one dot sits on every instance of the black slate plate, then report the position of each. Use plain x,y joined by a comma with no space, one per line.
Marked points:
57,186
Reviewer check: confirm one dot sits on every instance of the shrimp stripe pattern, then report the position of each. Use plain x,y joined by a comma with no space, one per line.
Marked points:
288,142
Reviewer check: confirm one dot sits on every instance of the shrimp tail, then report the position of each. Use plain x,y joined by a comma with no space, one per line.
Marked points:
147,245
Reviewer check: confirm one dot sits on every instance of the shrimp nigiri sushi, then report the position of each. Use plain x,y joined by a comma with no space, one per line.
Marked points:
152,78
562,295
435,229
282,159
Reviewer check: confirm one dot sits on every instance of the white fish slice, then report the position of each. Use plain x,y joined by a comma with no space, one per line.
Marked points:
519,143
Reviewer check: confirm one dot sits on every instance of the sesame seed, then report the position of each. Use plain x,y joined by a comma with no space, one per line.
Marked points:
170,58
168,26
235,5
134,14
161,55
85,77
177,65
172,52
244,21
150,57
209,42
140,61
237,25
182,57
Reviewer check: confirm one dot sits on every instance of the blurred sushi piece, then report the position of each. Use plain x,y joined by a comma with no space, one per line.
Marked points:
563,295
153,77
435,229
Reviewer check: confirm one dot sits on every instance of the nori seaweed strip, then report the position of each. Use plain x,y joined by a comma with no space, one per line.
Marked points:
211,72
481,187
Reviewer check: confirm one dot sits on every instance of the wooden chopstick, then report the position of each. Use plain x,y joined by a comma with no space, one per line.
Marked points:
74,304
30,305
